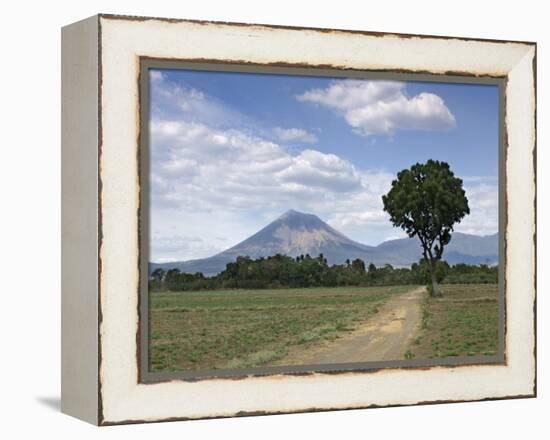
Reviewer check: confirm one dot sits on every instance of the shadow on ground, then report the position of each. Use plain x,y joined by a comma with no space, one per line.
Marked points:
52,403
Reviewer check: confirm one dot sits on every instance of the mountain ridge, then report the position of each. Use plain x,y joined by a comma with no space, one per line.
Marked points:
295,233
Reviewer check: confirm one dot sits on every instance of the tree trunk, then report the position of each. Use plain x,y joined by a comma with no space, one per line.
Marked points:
436,291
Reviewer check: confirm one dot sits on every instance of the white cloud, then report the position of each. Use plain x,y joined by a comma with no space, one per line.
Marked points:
360,213
295,134
483,202
169,98
312,168
196,166
156,76
382,107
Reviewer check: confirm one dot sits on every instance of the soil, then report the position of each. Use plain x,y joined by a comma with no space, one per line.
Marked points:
385,336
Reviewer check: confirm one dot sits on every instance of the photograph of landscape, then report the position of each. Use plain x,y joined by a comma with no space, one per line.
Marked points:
306,220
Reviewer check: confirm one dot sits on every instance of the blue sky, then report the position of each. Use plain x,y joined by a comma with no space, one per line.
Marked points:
269,101
232,151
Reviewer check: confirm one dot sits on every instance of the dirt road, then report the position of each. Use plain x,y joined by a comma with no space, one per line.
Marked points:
385,336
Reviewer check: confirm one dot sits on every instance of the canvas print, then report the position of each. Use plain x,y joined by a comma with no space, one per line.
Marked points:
305,220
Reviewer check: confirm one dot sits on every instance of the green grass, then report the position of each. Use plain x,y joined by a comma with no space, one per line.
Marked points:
464,322
248,328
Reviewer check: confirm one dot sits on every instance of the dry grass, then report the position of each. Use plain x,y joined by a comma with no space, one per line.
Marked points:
247,328
462,323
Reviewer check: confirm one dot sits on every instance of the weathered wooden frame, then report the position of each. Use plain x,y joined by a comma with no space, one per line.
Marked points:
101,380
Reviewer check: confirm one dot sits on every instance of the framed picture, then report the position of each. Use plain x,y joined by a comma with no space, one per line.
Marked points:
262,219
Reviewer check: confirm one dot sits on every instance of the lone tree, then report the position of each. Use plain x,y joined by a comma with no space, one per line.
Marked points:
426,201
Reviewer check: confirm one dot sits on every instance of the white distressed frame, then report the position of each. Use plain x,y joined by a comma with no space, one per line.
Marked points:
122,42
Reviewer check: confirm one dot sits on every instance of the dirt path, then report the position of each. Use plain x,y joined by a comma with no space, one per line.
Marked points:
385,336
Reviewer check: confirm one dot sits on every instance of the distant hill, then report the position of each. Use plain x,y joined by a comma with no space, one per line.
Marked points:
295,233
463,248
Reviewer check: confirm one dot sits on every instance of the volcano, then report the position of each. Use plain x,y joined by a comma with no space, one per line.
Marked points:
295,233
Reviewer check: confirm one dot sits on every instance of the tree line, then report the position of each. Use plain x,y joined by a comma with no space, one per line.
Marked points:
281,271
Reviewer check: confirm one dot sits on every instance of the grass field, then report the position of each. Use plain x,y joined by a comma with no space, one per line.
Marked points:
247,328
462,323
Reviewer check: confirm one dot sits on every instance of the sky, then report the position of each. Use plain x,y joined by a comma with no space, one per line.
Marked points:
231,152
